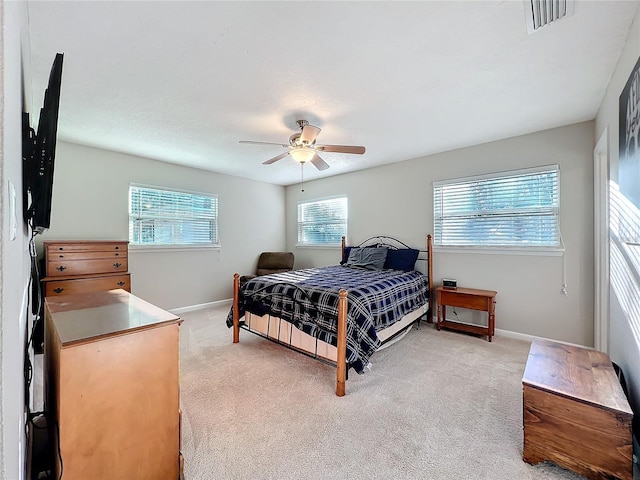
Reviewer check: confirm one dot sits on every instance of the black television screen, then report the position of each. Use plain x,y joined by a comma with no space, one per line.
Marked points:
38,155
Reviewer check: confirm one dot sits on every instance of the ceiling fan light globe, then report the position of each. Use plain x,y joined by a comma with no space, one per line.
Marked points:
301,154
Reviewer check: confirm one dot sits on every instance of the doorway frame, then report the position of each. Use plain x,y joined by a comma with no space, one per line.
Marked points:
601,242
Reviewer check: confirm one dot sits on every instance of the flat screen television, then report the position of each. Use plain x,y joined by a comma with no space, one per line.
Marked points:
38,154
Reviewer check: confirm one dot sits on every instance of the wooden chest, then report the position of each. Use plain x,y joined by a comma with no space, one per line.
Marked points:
73,266
575,412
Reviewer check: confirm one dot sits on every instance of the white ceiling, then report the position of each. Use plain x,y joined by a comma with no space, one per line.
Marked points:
184,81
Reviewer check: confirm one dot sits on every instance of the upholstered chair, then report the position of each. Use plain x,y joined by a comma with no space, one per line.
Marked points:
271,262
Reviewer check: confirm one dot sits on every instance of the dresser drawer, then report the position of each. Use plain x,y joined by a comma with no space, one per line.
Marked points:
59,256
86,267
69,247
88,284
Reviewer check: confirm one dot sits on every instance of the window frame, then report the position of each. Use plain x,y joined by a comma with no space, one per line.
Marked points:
173,246
523,249
338,243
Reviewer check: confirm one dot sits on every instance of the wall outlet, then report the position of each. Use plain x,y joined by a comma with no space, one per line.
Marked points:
449,283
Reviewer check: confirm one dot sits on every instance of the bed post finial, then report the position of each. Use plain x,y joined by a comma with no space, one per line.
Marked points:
341,359
236,308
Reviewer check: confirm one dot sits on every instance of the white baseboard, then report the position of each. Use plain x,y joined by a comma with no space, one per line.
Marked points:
530,338
517,335
499,332
201,306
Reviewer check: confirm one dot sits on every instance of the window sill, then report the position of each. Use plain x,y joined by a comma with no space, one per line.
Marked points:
172,248
317,245
547,252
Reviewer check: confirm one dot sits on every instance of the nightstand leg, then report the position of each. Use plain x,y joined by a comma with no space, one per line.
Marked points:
492,320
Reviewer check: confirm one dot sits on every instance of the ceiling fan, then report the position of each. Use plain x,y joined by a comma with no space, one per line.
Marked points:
303,148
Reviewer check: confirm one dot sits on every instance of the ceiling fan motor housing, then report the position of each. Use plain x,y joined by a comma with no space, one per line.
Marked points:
294,140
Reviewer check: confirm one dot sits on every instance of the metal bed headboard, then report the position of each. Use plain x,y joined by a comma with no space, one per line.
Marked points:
425,255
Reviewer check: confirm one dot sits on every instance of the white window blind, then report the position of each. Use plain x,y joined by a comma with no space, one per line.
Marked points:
510,209
171,217
322,222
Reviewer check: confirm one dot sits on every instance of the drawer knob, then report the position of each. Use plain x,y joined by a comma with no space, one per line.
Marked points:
61,268
121,283
58,289
117,265
117,248
117,254
60,256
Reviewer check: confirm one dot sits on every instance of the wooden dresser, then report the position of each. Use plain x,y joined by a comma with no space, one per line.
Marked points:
81,266
575,412
112,386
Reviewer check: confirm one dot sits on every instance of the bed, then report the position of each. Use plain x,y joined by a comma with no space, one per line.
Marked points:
340,314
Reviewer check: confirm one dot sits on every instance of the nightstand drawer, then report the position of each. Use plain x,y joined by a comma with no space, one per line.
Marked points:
463,300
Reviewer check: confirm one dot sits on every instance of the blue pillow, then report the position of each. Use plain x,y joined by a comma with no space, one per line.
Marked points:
369,258
401,259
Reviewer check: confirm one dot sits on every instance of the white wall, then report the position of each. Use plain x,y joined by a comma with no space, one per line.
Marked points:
90,201
624,328
14,271
397,200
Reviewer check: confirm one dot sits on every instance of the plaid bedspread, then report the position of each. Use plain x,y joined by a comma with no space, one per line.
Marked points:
309,300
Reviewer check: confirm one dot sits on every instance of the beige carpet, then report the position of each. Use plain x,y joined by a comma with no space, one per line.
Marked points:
436,405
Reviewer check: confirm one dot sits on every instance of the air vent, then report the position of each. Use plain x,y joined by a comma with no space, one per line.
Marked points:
539,13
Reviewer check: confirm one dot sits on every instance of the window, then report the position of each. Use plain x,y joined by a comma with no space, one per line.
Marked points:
161,217
517,209
322,222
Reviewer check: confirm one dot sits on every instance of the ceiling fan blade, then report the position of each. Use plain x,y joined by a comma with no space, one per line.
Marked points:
309,134
275,159
340,148
263,143
319,163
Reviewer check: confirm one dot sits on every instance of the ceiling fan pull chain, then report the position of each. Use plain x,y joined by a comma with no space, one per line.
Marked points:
302,176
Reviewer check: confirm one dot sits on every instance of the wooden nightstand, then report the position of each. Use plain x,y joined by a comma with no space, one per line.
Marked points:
484,300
